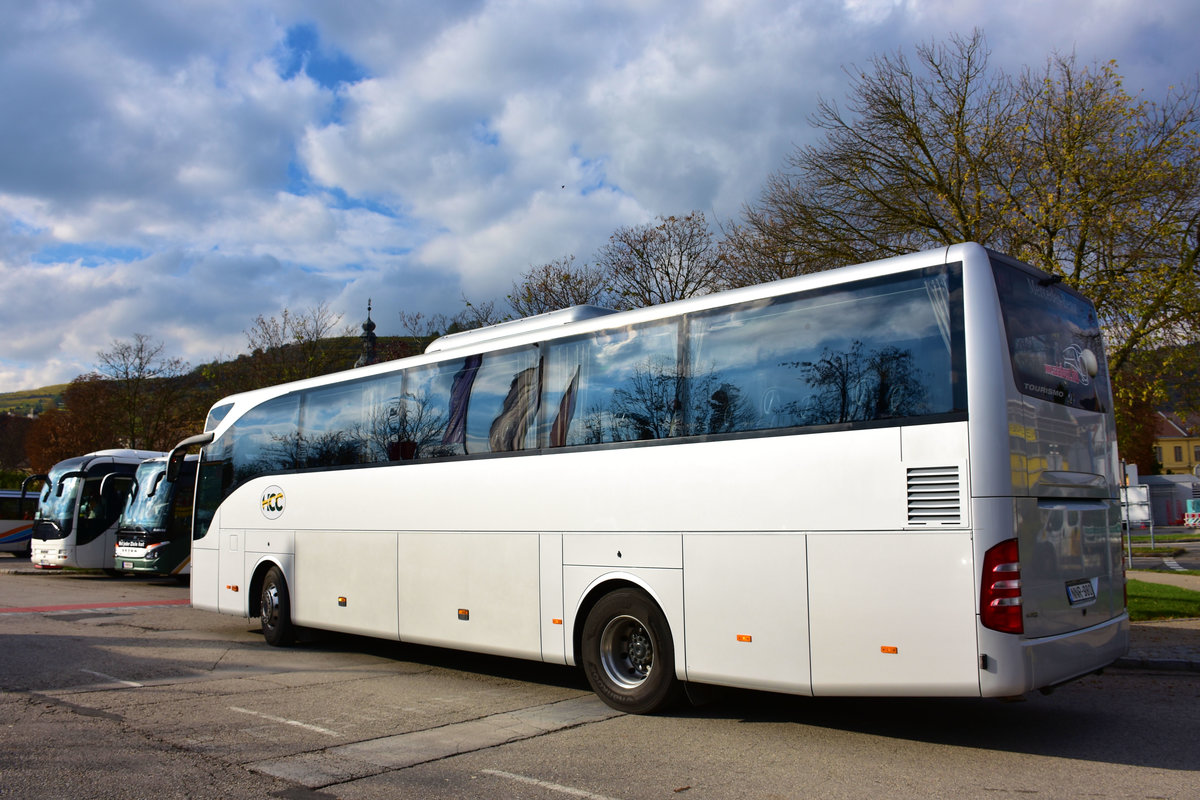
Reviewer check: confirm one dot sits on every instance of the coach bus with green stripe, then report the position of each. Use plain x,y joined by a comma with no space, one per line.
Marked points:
154,532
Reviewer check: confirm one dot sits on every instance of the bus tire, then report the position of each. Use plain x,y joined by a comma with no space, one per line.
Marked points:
628,654
275,610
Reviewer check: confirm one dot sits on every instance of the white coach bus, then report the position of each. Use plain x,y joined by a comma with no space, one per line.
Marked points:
75,524
898,478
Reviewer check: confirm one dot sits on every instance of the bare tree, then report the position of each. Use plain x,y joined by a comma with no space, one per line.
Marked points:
670,259
476,315
561,284
293,346
423,326
141,380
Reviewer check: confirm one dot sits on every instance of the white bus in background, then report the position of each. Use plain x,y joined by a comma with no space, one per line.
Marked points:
81,499
154,533
676,494
16,522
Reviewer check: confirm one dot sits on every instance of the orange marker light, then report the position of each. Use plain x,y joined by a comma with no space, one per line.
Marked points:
557,621
891,651
231,588
744,637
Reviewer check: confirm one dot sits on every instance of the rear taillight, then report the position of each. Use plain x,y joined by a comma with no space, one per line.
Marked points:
1000,589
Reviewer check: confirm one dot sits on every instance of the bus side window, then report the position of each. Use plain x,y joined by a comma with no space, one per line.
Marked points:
427,407
616,386
503,403
267,439
334,430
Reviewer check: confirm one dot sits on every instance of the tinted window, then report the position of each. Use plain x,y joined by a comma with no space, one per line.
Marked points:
432,415
504,402
615,386
11,508
215,480
99,510
349,423
215,416
875,350
332,426
1054,339
268,439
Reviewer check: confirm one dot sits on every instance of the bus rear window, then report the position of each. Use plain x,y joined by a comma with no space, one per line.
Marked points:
1054,339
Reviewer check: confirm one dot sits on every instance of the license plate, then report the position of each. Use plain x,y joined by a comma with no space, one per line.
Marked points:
1081,592
126,565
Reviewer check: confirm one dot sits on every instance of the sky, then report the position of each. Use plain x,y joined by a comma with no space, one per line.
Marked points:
176,169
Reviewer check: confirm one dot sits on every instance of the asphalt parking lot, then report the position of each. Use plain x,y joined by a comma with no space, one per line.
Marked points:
139,695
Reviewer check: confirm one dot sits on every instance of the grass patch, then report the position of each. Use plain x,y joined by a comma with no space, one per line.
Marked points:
1160,601
1158,552
1164,538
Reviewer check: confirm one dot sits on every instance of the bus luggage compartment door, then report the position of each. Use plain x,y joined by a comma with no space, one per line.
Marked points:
893,614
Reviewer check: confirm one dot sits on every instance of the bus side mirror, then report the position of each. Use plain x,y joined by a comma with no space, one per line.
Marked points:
62,481
175,459
45,479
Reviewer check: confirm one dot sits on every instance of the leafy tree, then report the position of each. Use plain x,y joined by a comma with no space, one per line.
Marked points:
670,259
1060,167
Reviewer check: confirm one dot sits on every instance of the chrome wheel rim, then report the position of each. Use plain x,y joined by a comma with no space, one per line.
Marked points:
626,652
270,605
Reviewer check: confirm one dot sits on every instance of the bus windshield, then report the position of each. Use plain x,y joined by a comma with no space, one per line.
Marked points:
150,503
1055,342
56,510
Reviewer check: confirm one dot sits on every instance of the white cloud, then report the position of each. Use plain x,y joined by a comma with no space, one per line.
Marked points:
171,169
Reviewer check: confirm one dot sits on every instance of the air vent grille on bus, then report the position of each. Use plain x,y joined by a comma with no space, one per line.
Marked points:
934,497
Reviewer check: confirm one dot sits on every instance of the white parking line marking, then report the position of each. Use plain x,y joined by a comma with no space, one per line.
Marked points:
111,678
554,787
284,721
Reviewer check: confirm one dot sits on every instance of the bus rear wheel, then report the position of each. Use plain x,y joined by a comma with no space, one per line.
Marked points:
275,609
628,654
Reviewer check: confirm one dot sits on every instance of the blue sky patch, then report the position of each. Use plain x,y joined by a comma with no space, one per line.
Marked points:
87,254
302,51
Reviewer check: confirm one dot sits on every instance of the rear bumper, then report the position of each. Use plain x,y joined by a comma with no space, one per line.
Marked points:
1016,665
1060,658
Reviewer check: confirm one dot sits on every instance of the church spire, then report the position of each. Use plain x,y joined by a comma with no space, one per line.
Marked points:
369,338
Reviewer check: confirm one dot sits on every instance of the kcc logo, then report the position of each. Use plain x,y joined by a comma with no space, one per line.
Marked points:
272,502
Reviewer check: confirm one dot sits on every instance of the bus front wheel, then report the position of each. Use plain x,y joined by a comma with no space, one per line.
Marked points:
628,655
275,609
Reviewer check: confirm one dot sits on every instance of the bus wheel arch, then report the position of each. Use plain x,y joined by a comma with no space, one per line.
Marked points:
270,600
624,644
